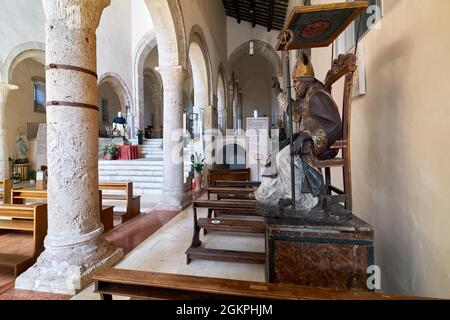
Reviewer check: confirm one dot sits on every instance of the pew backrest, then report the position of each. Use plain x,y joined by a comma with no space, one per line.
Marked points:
31,218
5,191
215,175
151,285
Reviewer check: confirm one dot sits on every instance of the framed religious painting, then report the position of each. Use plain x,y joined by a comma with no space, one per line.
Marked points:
318,25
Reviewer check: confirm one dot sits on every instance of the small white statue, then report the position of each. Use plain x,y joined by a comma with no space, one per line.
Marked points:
21,145
119,125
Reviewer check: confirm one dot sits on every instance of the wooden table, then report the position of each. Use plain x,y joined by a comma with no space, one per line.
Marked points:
22,169
128,152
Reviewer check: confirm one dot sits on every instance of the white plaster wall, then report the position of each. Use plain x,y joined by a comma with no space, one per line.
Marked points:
255,79
243,32
141,22
20,21
210,16
399,141
114,41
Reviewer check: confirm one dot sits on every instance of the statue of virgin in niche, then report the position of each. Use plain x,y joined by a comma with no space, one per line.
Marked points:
21,146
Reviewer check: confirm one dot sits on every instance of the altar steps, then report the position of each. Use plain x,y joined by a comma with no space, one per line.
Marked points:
147,173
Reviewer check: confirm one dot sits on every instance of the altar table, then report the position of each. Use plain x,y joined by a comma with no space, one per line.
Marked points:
128,152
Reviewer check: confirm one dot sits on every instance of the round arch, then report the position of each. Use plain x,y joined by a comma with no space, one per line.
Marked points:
119,86
168,21
262,48
199,57
222,100
145,46
29,50
153,78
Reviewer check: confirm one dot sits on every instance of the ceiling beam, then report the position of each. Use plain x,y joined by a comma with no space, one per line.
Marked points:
236,10
270,22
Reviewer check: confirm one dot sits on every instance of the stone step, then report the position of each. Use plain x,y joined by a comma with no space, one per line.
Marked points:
137,163
134,179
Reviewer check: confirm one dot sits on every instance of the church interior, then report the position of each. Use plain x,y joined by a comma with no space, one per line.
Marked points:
208,149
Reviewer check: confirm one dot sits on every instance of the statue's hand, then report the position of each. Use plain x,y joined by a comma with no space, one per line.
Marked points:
300,143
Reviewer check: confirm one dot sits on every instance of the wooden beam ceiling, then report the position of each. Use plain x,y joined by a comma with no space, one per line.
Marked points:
268,13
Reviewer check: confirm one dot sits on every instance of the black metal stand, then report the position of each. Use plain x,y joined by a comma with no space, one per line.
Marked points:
291,127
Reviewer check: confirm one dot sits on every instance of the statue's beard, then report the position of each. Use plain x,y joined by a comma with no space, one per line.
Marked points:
300,93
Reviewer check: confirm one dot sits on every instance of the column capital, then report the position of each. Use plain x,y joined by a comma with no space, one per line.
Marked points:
6,87
75,14
172,74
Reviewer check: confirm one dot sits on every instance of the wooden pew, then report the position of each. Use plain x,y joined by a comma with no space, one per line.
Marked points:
5,192
243,193
20,196
133,203
237,184
160,286
242,208
29,218
228,175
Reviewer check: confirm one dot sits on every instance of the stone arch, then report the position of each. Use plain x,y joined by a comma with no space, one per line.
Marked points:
143,49
169,29
121,88
202,77
262,48
201,58
29,50
157,92
222,99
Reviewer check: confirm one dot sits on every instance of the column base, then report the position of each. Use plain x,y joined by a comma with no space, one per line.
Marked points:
175,201
62,272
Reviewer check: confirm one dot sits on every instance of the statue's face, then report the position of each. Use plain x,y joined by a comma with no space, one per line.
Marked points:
301,86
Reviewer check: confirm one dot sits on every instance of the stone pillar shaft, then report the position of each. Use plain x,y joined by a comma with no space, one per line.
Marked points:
74,246
5,89
173,79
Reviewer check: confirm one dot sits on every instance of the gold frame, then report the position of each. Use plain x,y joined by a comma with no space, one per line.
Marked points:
358,7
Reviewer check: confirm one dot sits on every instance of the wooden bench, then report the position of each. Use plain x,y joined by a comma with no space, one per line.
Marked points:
5,192
159,286
242,208
20,196
237,184
29,218
228,175
133,203
242,193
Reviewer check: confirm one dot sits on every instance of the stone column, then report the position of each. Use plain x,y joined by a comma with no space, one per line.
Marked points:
5,89
74,246
173,195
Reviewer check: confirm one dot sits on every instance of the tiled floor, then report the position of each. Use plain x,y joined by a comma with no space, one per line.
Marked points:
156,242
164,252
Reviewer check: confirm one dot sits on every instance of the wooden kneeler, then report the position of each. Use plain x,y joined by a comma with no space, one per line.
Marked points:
242,208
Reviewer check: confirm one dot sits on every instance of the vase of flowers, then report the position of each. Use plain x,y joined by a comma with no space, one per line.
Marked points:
198,165
16,177
110,151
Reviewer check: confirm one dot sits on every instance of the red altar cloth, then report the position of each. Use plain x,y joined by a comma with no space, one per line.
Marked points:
128,152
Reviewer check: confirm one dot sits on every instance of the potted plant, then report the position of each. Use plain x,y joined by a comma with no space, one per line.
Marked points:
140,135
197,165
110,151
16,177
